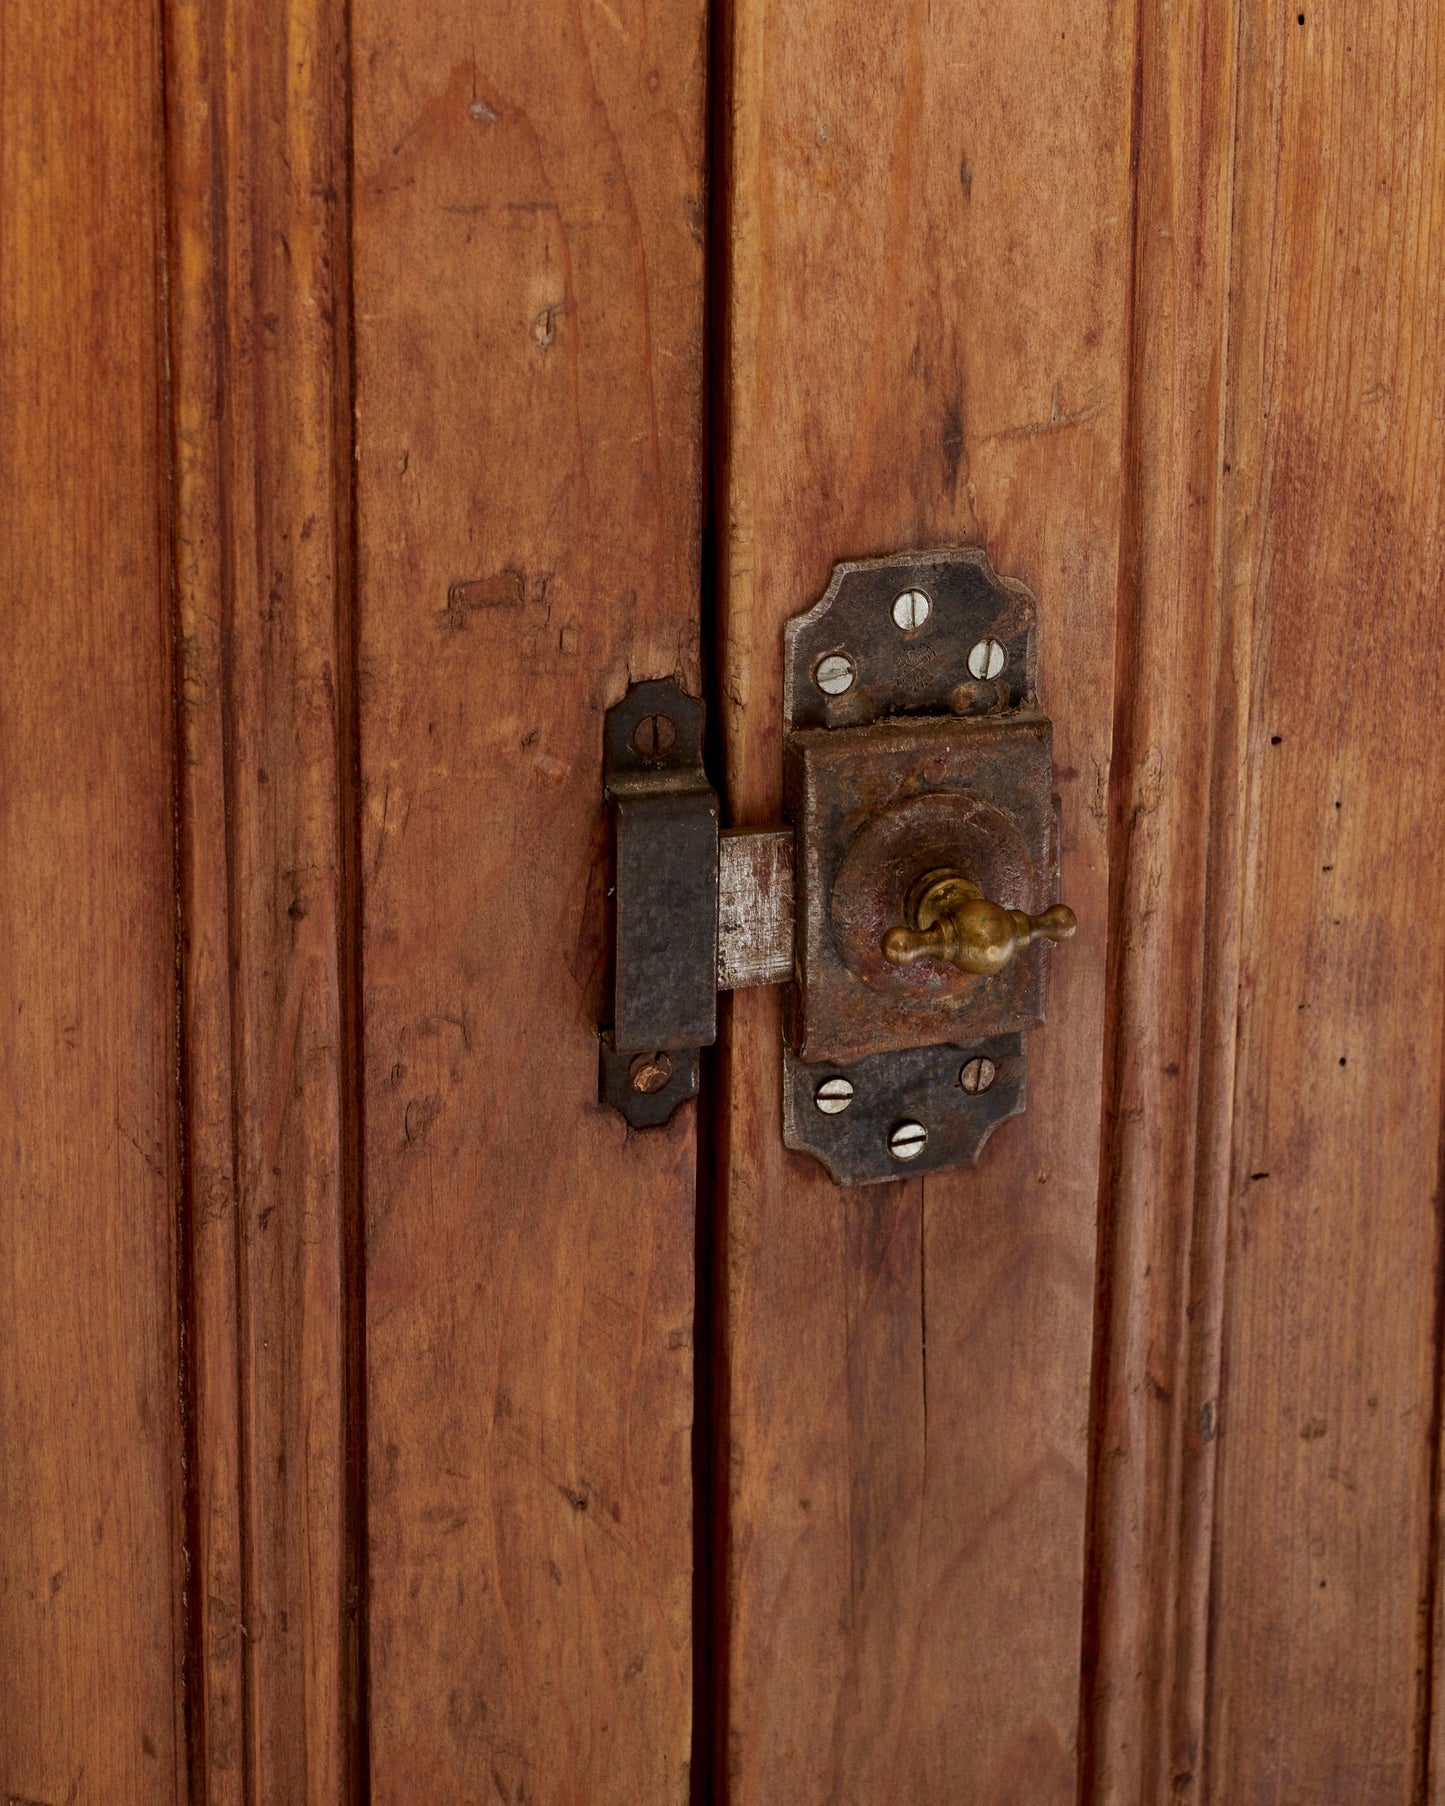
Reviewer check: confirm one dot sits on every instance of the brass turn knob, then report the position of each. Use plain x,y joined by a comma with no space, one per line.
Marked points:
952,919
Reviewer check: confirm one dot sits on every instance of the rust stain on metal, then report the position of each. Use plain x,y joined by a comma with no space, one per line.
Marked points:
877,808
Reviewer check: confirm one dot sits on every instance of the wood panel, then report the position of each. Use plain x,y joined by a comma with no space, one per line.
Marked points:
528,281
1335,482
1173,957
928,235
256,135
91,1566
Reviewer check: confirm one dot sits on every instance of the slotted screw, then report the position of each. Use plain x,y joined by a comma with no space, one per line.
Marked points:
911,610
833,1096
835,674
985,659
977,1075
906,1139
653,736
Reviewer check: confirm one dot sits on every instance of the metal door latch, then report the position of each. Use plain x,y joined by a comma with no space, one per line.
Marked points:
908,904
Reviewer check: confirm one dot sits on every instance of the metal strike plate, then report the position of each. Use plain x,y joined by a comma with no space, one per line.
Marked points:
666,886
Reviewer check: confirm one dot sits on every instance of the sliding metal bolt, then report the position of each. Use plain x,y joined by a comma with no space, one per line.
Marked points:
906,1139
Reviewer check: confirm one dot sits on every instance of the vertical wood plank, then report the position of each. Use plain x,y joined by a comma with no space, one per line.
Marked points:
928,244
91,1565
262,463
1173,967
528,279
1335,483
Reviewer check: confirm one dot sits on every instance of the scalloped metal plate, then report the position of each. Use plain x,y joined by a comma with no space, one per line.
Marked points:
921,1084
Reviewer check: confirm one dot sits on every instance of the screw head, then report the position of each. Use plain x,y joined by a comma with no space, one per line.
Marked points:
985,659
648,1073
906,1140
911,610
833,1096
977,1075
653,736
834,674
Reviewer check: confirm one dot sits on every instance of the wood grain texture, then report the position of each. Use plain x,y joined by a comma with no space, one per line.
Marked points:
1335,486
528,281
256,137
928,244
91,1565
1173,966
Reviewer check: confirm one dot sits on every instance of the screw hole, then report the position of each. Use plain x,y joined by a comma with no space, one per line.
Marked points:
648,1073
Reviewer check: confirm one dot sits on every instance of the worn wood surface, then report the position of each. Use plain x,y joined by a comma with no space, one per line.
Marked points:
528,283
928,214
1334,468
1268,1405
1151,318
261,443
91,1569
1173,949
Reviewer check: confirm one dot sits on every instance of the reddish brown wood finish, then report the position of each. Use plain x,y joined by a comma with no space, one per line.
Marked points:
91,1567
928,227
1335,513
1269,1398
1173,958
528,270
257,178
1142,299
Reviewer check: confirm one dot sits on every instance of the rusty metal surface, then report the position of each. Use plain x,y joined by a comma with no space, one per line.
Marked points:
666,815
874,809
913,747
755,909
922,1085
921,669
645,1109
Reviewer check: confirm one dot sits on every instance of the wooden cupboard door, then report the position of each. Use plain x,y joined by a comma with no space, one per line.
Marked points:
926,240
527,237
387,386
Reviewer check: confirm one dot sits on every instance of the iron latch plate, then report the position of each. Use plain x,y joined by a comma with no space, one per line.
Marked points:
914,753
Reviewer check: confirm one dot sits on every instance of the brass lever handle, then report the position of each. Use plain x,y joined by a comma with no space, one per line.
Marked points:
953,920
